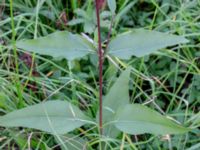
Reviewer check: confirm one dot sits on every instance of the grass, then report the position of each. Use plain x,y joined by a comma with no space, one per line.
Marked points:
167,81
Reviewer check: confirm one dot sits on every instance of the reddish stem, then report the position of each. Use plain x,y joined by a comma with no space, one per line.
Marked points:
100,53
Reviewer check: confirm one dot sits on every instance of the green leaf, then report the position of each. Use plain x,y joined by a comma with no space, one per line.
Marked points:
72,142
139,119
75,22
140,42
124,9
56,117
194,147
118,96
112,5
195,120
61,44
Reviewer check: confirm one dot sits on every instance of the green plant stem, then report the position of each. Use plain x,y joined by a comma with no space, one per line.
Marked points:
18,84
100,53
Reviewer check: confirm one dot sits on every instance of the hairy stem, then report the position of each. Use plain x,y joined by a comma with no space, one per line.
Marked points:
100,53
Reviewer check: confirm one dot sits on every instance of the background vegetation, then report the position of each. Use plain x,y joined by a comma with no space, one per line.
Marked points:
168,81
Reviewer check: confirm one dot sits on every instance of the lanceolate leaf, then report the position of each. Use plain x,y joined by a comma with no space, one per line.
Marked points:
140,42
56,117
112,5
117,97
61,44
139,119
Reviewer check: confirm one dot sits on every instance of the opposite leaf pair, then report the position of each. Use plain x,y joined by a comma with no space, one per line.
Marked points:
138,42
61,117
